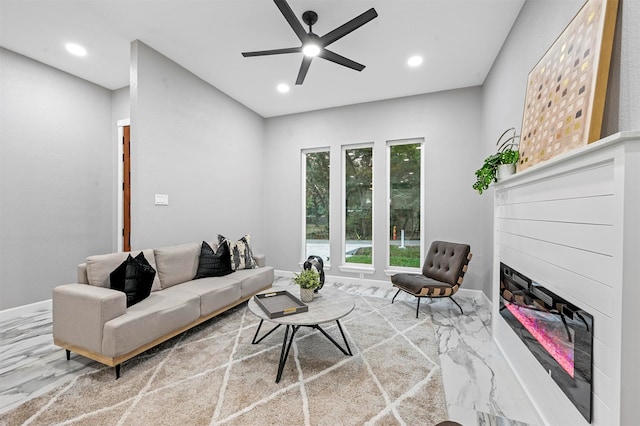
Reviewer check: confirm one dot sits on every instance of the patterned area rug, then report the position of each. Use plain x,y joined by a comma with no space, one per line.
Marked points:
213,375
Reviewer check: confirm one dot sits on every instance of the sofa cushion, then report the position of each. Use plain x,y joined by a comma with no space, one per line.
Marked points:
99,267
177,264
213,263
241,253
215,292
254,280
159,314
134,277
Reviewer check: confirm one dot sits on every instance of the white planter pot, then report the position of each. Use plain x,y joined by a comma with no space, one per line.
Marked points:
306,295
505,170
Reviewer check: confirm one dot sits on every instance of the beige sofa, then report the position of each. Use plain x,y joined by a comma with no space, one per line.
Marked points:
93,320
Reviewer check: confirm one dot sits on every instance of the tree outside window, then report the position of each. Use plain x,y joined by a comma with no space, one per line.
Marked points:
317,168
358,205
404,210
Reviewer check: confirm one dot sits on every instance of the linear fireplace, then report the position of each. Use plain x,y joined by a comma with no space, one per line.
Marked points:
558,333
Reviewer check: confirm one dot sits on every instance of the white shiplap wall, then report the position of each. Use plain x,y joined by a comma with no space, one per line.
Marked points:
572,224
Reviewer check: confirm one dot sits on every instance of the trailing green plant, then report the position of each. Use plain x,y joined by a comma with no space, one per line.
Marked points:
507,153
308,278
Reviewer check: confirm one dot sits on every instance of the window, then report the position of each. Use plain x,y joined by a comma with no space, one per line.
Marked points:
358,205
405,202
316,204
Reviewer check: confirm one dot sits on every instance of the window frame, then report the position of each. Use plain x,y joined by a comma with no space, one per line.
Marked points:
303,201
360,267
390,270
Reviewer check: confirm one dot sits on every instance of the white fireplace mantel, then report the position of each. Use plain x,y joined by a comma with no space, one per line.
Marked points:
572,224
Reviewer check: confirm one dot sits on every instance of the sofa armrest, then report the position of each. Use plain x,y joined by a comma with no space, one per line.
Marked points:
261,259
82,274
80,312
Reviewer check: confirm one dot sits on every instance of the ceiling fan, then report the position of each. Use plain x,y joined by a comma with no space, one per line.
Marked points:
312,44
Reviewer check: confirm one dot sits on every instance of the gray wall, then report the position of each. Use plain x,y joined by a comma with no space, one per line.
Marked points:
504,88
120,101
56,179
226,170
622,111
448,121
198,146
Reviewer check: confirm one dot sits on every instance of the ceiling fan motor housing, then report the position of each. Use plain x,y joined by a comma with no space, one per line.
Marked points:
310,17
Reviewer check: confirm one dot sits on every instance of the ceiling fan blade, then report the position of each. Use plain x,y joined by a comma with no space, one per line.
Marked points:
345,29
291,18
272,52
340,60
306,61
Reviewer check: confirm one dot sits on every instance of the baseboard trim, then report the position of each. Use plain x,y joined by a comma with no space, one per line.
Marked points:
339,278
465,292
25,310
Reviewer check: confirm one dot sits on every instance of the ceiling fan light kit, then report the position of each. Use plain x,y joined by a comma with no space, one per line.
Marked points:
311,49
312,44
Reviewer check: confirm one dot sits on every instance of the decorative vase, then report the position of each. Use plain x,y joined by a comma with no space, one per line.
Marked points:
306,294
505,170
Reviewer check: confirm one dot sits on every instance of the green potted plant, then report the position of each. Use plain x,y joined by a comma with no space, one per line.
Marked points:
308,280
500,164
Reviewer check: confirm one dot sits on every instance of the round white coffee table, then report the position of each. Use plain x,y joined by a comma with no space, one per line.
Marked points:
328,305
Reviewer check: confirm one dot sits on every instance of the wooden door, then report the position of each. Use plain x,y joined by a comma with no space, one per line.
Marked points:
126,189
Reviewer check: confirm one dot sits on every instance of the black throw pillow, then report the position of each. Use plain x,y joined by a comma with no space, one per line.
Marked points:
134,277
214,263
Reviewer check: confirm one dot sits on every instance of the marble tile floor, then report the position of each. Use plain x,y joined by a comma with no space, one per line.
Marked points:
479,385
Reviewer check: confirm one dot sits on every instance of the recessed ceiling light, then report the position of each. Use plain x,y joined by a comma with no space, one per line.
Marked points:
283,88
76,49
414,61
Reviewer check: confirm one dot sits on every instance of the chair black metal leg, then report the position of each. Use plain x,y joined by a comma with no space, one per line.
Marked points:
566,327
68,354
417,307
117,371
583,320
459,307
394,297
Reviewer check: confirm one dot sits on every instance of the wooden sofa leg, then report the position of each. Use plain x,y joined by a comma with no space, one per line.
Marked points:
459,307
68,354
117,371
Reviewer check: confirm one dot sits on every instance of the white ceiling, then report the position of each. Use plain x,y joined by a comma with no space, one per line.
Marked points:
459,40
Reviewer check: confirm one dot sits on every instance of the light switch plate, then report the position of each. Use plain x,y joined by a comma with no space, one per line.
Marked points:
162,200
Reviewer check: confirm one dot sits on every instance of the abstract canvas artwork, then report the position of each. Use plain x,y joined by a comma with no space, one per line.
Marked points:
566,90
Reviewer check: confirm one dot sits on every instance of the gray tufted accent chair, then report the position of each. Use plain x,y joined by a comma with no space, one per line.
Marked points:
442,273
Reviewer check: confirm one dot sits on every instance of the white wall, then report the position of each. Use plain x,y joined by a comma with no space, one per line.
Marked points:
56,179
539,23
198,146
450,124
